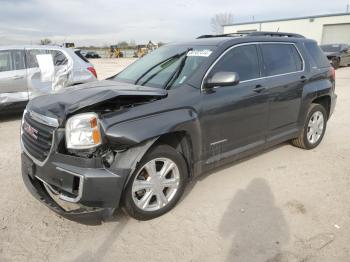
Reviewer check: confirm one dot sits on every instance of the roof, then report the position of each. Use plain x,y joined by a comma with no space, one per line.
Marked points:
288,19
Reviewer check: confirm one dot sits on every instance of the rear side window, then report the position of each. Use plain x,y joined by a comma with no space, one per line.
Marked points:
280,59
18,59
318,57
5,61
58,58
242,60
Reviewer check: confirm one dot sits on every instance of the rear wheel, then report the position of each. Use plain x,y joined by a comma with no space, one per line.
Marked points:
314,128
157,184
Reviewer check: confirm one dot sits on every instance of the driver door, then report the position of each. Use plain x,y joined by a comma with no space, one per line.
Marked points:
235,118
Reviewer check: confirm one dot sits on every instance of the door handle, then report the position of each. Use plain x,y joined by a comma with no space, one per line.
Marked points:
259,89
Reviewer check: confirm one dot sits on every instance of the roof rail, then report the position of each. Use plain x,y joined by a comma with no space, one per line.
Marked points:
222,35
260,33
278,34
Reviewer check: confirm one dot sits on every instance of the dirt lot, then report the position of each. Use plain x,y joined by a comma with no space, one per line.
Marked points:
285,204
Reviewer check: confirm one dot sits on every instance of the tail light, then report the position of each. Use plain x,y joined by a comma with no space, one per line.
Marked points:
92,70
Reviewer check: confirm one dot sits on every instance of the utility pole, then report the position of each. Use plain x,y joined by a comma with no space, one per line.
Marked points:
347,6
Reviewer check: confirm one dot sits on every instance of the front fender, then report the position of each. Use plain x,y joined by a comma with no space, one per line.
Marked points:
130,133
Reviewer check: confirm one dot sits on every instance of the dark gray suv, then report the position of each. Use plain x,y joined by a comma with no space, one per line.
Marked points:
136,139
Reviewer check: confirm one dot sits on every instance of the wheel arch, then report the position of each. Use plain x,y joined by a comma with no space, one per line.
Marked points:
325,101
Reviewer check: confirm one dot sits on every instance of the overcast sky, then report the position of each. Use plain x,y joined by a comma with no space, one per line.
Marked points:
101,22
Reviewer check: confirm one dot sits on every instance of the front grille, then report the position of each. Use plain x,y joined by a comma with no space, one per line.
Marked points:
37,137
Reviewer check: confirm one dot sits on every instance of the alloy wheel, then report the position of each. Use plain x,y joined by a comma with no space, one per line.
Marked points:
315,127
155,184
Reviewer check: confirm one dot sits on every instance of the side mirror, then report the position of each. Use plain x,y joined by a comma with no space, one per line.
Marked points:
222,79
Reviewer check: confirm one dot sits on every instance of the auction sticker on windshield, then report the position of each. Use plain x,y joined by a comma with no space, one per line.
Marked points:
204,53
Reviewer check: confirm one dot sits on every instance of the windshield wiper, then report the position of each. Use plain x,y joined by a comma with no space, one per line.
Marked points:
177,72
161,62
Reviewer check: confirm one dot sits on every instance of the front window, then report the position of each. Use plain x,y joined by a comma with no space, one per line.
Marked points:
166,67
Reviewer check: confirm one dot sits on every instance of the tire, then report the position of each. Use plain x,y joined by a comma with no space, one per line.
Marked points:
303,141
335,62
152,198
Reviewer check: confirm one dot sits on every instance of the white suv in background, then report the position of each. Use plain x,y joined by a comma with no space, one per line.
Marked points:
21,76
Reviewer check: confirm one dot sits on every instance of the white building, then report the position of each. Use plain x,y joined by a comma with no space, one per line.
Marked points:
325,29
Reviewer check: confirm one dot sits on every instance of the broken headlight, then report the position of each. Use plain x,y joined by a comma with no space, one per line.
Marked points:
83,131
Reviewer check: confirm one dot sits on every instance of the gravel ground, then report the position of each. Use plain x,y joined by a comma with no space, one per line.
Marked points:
285,204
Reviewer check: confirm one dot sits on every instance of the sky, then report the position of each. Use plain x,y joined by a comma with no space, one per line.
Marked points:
106,22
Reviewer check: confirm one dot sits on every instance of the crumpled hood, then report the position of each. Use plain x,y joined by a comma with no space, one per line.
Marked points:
72,99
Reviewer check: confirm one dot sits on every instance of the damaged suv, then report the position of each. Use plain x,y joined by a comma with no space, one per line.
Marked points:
134,140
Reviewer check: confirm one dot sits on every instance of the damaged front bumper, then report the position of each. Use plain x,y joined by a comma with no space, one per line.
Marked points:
73,186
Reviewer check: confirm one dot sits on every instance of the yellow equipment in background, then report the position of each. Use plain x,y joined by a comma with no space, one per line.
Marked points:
115,51
141,51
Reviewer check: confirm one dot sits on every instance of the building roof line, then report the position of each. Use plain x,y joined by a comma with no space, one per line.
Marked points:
287,19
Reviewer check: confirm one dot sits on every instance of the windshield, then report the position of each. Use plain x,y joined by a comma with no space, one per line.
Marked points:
330,48
166,67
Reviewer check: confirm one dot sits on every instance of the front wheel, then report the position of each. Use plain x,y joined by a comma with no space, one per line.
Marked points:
314,128
157,184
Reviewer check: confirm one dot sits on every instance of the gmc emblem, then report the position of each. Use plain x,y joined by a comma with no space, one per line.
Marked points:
30,130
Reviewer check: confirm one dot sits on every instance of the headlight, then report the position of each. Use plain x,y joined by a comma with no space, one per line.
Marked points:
83,131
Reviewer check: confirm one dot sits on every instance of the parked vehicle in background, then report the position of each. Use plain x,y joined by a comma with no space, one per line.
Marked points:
337,54
136,139
21,77
92,54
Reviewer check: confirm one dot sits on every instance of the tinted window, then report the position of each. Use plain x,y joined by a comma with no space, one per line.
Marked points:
318,57
18,59
58,58
242,60
280,59
5,61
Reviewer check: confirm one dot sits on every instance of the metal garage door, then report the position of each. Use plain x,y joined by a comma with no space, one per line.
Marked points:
336,34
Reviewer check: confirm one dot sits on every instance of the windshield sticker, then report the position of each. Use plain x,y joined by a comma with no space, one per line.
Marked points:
204,53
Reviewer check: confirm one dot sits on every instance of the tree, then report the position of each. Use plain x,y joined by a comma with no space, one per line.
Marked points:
219,20
123,45
45,41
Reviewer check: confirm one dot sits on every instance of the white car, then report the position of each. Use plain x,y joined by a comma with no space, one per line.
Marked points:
30,71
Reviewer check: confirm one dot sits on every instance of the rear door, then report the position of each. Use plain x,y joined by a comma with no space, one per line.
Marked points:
13,85
283,69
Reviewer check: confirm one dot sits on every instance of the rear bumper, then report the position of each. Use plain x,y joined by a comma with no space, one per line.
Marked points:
74,186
